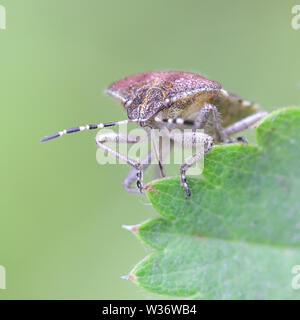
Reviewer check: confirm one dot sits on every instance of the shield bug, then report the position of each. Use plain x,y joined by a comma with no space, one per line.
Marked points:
165,99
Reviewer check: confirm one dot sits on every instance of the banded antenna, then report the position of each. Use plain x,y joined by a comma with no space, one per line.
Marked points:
87,127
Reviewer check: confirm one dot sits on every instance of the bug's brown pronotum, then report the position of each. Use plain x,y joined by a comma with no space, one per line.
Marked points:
164,99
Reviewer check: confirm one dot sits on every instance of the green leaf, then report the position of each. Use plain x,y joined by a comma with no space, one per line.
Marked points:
238,236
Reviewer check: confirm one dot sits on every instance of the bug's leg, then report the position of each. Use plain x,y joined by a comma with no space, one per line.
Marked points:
139,179
244,123
209,113
103,138
158,173
188,163
159,156
191,139
133,173
137,175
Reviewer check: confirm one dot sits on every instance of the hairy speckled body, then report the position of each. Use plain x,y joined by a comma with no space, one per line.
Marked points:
172,94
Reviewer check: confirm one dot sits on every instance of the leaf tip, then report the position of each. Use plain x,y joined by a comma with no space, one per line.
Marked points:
132,228
132,277
129,277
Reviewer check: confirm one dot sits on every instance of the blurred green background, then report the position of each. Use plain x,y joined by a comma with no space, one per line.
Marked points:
61,213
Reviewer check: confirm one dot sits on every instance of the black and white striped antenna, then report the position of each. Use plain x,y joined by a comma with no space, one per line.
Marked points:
86,127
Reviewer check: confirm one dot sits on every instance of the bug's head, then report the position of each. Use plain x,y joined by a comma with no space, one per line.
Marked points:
146,102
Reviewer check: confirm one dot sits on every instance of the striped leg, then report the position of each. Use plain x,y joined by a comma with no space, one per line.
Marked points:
244,123
191,139
135,174
138,167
